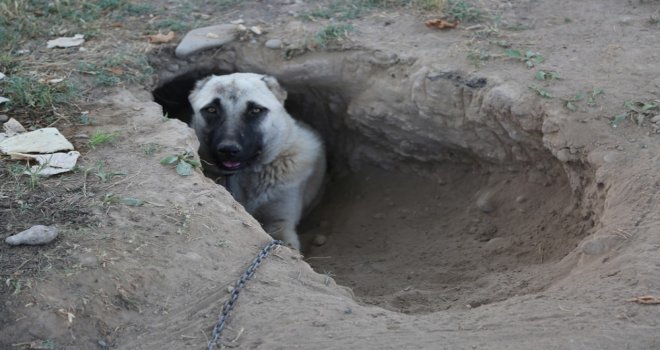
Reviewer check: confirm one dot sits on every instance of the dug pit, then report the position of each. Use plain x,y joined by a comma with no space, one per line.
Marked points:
442,193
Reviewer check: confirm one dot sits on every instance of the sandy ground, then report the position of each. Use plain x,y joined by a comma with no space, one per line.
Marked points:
456,217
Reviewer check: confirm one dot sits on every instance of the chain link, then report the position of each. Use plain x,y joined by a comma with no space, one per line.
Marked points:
240,283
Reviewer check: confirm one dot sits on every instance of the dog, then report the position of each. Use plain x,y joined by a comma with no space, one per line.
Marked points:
273,165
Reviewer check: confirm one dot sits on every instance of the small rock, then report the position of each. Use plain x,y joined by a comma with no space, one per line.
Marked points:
274,44
320,240
485,202
564,155
4,118
35,235
206,38
656,119
619,148
256,30
521,199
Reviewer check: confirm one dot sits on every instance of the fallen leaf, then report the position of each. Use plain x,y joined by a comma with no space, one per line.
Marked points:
117,70
54,81
65,42
646,299
2,76
161,38
69,316
3,100
440,24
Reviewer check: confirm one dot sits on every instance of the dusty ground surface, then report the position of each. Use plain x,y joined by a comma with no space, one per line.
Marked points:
463,210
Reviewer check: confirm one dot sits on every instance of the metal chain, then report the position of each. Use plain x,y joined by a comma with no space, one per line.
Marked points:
240,283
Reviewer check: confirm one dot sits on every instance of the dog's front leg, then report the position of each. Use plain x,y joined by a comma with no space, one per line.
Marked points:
280,217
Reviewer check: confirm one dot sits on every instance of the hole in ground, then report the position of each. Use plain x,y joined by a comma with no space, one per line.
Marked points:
417,236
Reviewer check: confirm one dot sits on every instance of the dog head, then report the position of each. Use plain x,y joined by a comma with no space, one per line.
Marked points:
240,119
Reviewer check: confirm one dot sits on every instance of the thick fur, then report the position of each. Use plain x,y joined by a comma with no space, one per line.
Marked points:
275,164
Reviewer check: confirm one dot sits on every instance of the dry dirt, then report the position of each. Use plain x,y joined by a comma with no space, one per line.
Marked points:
463,211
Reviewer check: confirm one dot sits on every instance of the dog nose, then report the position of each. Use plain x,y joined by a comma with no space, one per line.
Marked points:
229,149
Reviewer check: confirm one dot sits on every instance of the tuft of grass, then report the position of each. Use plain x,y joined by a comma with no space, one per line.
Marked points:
150,149
350,9
332,34
30,92
477,57
101,137
462,11
547,75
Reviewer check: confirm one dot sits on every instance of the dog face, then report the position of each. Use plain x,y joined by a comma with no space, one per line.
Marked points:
240,119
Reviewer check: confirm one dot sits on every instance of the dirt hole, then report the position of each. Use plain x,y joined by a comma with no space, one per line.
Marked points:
419,237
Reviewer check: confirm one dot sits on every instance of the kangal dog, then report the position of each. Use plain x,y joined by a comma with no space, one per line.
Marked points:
274,165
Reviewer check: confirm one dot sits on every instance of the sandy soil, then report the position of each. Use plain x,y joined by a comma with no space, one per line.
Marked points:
456,217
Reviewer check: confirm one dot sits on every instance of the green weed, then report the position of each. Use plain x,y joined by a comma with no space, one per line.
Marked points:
101,137
530,58
30,92
333,33
184,163
462,11
541,92
547,75
637,111
150,149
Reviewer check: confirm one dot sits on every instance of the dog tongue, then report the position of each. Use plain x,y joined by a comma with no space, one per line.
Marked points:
231,165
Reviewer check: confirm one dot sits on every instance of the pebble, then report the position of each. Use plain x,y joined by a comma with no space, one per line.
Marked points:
521,199
274,44
320,240
4,118
564,155
485,202
610,157
656,119
35,235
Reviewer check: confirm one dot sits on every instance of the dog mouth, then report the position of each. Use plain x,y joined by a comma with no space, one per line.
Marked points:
231,165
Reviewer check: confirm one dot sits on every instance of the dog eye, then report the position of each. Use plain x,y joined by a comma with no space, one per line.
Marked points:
256,110
211,109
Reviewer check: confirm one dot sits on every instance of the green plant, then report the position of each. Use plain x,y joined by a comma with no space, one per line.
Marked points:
477,57
571,102
547,75
100,137
150,148
332,33
184,162
637,111
462,11
103,175
530,58
541,92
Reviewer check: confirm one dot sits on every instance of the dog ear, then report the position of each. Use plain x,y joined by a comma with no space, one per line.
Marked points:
198,85
275,87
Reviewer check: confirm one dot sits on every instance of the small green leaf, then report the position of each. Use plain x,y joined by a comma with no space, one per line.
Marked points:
193,162
540,75
133,202
184,168
618,119
513,53
596,92
541,92
169,160
570,106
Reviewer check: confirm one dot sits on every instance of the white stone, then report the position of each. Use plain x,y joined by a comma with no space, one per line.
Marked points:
206,38
274,44
35,235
